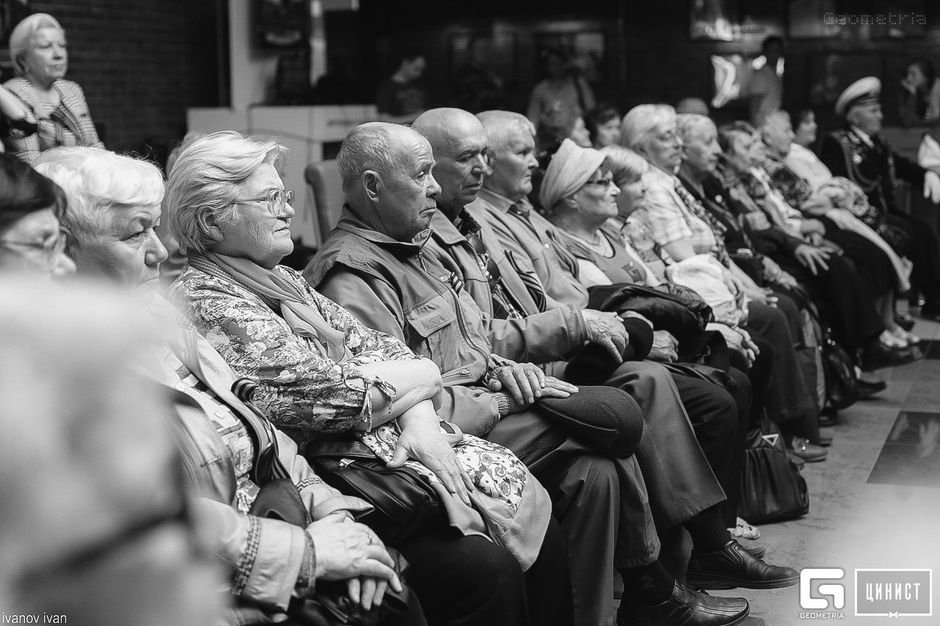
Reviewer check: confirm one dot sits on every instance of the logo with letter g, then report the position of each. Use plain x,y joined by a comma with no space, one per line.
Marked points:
835,591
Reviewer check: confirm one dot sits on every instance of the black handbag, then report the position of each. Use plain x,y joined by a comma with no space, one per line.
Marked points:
841,379
838,368
772,489
404,503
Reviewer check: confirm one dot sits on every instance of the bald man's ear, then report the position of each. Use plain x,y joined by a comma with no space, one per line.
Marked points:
371,184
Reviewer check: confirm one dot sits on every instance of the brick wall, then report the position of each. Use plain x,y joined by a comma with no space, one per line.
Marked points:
141,64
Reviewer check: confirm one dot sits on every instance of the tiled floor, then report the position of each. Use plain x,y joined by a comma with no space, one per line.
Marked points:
875,503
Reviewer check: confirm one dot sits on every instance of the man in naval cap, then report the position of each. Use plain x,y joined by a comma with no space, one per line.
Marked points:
858,153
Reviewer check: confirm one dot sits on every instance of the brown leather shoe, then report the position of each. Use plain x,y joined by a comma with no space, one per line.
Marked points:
684,608
732,566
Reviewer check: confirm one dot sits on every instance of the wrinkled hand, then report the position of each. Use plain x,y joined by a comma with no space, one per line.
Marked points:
607,330
751,351
425,443
350,550
814,259
665,347
522,381
776,274
541,385
366,591
932,186
786,279
732,283
763,296
739,340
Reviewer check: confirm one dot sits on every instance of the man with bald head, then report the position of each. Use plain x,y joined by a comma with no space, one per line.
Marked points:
459,144
400,282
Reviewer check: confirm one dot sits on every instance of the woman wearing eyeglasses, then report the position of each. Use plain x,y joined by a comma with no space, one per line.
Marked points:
232,455
30,237
323,374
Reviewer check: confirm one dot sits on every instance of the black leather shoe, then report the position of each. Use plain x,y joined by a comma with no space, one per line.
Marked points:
868,388
684,608
732,567
755,550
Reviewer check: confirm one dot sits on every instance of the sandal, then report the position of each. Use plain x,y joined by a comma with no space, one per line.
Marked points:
743,530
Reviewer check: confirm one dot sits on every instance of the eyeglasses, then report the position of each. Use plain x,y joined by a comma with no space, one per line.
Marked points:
603,181
276,199
50,248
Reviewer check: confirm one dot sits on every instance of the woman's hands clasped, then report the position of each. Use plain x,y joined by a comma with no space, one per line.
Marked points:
347,550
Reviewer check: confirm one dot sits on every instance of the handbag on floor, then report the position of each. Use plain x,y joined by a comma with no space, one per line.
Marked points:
772,489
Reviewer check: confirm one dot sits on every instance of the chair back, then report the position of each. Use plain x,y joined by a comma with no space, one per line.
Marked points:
328,198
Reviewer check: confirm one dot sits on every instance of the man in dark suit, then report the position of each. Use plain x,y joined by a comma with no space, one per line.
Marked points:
858,153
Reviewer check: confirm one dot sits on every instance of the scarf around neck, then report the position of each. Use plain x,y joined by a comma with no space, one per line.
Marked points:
303,318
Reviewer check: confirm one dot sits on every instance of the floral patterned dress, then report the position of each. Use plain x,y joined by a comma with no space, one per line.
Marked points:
304,392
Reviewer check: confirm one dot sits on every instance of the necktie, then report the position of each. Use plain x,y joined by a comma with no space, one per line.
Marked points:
504,307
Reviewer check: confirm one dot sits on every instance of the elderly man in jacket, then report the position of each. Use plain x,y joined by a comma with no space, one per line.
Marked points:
382,263
547,268
712,412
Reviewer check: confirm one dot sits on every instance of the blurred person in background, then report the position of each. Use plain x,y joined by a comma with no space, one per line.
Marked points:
57,106
562,95
95,525
403,97
603,126
805,132
692,105
920,94
765,88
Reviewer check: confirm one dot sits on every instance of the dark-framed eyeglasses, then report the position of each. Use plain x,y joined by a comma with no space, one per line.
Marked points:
50,248
275,199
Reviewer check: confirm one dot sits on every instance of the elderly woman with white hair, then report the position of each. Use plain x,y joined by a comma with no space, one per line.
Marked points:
325,376
56,106
234,458
683,229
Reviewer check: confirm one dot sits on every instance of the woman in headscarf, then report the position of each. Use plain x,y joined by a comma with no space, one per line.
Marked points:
56,106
